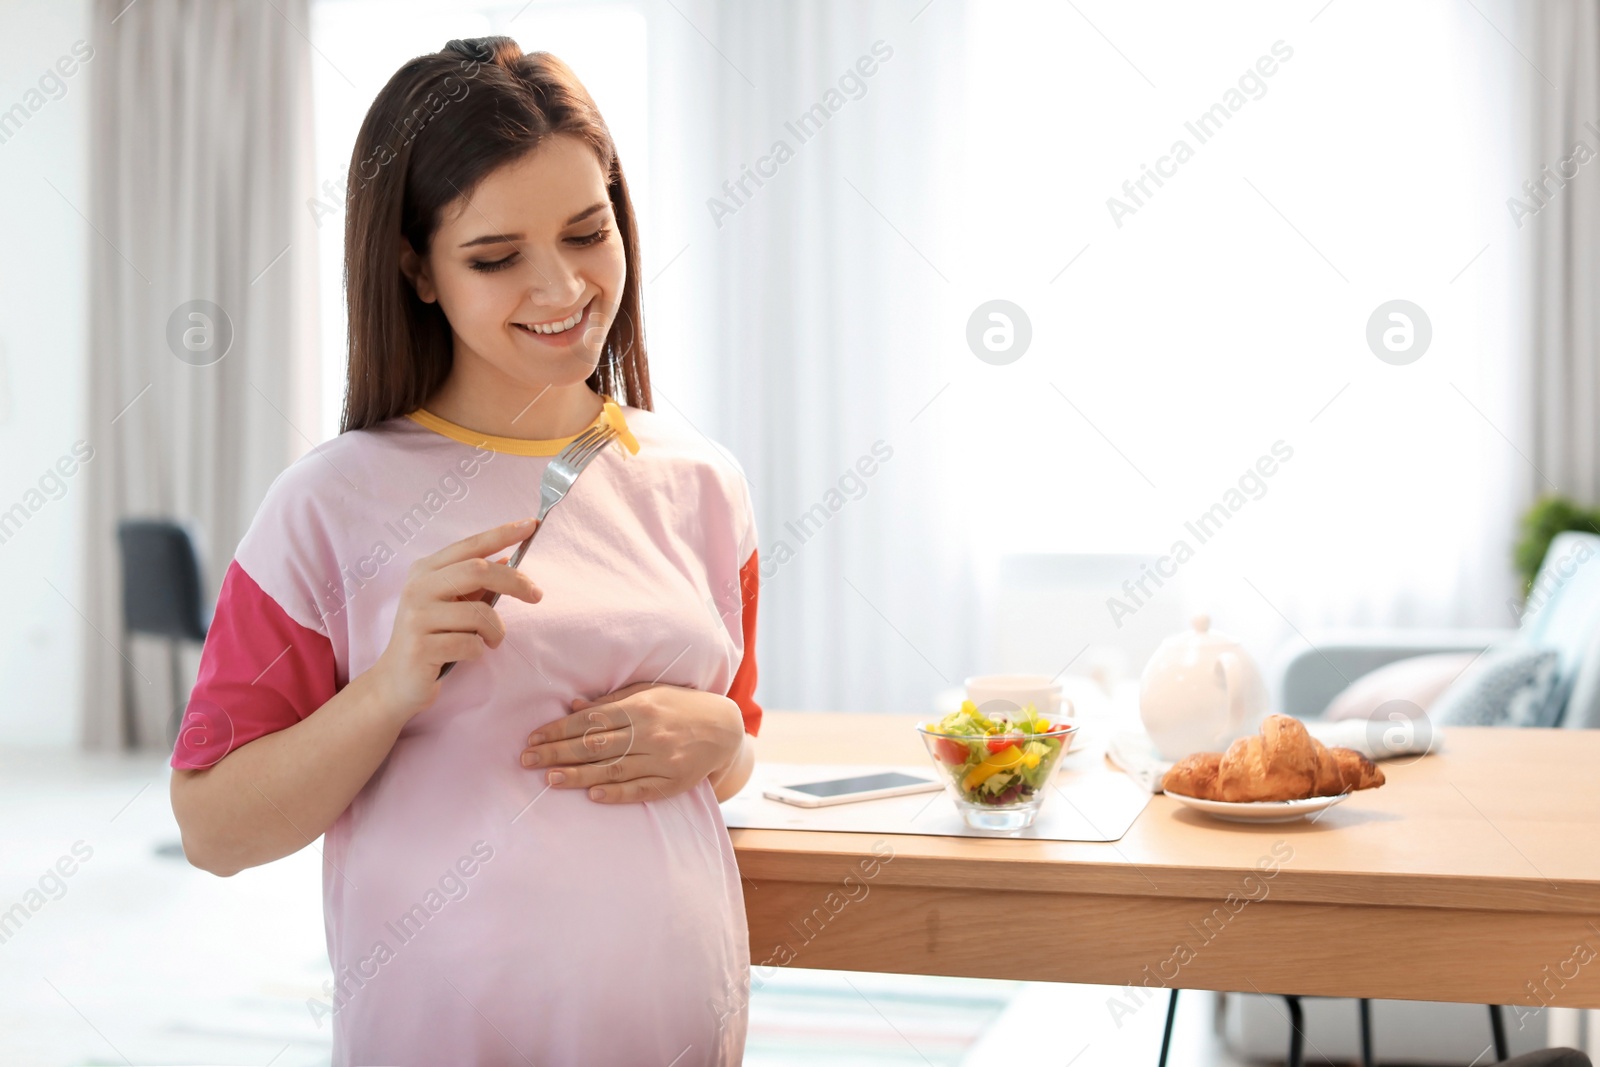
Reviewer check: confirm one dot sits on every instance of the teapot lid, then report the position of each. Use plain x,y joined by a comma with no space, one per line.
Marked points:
1200,635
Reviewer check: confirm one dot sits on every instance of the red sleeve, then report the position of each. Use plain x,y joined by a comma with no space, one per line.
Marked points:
744,681
260,671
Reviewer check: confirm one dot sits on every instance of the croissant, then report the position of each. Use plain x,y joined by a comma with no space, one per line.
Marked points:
1357,770
1194,776
1279,763
1282,762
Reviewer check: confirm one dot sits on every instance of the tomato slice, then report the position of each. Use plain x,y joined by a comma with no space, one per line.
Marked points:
1001,743
950,751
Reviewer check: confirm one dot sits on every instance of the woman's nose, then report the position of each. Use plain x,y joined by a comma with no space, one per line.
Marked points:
554,282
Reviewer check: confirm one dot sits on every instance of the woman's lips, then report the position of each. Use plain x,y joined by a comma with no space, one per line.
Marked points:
565,337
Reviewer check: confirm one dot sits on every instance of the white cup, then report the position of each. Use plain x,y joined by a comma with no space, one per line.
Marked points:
1012,692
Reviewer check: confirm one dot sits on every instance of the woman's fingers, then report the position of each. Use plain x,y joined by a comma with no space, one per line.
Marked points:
593,746
620,694
468,579
479,544
623,781
583,721
439,649
615,715
443,616
465,616
633,791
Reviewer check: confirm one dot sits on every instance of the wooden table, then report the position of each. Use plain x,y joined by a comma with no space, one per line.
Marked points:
1473,876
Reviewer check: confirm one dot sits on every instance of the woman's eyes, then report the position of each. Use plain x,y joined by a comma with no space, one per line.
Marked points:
479,265
582,242
594,238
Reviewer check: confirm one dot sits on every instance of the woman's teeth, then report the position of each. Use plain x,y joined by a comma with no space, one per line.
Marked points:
558,327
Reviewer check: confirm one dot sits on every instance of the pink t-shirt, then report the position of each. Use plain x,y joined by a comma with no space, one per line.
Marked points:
473,915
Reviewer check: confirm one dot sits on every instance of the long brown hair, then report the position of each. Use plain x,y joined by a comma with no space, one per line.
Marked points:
498,105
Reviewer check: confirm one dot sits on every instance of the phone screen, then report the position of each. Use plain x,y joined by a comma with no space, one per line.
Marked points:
861,784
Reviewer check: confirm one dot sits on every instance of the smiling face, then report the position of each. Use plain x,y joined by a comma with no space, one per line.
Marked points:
529,271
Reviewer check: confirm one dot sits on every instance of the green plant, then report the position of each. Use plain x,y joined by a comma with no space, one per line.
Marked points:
1549,516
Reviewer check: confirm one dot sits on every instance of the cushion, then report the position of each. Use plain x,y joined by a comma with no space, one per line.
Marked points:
1509,685
1415,681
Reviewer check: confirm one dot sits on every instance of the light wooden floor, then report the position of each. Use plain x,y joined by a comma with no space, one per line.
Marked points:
139,958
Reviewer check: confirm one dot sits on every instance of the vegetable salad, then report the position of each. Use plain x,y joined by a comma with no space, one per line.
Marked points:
996,761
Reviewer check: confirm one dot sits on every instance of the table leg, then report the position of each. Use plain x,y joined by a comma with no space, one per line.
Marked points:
1166,1035
1365,1007
1497,1026
1297,1026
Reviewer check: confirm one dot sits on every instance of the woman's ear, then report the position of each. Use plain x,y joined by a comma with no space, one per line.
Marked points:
416,272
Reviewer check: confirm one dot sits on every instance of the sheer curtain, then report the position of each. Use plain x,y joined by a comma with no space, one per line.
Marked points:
200,157
1561,216
803,267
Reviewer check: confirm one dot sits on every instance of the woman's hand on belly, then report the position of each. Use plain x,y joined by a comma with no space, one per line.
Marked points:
645,742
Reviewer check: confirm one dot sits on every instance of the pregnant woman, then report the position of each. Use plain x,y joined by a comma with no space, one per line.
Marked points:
524,861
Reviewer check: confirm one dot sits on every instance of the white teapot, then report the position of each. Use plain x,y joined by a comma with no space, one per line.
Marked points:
1200,691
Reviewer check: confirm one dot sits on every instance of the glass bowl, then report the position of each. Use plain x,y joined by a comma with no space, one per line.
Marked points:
998,781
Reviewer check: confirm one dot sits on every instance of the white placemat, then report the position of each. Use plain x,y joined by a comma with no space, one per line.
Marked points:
1087,801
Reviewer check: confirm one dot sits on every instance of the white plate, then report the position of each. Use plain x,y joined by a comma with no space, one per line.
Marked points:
1260,810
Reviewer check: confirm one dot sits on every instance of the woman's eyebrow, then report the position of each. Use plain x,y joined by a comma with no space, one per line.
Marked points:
586,212
507,238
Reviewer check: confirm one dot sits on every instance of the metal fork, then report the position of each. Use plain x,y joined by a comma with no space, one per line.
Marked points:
558,478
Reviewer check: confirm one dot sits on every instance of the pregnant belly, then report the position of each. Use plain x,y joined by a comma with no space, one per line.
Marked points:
482,913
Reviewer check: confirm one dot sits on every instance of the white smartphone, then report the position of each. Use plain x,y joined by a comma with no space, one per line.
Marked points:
847,790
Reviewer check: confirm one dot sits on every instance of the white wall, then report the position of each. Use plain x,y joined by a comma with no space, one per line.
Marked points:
45,244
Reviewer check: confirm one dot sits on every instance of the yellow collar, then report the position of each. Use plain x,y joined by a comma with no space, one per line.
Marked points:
524,446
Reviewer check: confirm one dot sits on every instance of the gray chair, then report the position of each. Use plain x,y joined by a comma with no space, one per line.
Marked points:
161,597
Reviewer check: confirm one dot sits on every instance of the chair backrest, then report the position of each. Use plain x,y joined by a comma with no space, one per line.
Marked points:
1582,711
161,592
1563,614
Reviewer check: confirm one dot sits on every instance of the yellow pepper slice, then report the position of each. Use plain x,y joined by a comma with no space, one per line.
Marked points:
1006,759
613,416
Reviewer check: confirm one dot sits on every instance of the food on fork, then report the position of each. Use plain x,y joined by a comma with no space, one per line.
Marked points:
614,419
1281,762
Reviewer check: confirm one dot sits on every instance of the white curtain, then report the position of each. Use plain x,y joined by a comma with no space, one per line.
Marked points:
799,259
200,169
1563,226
